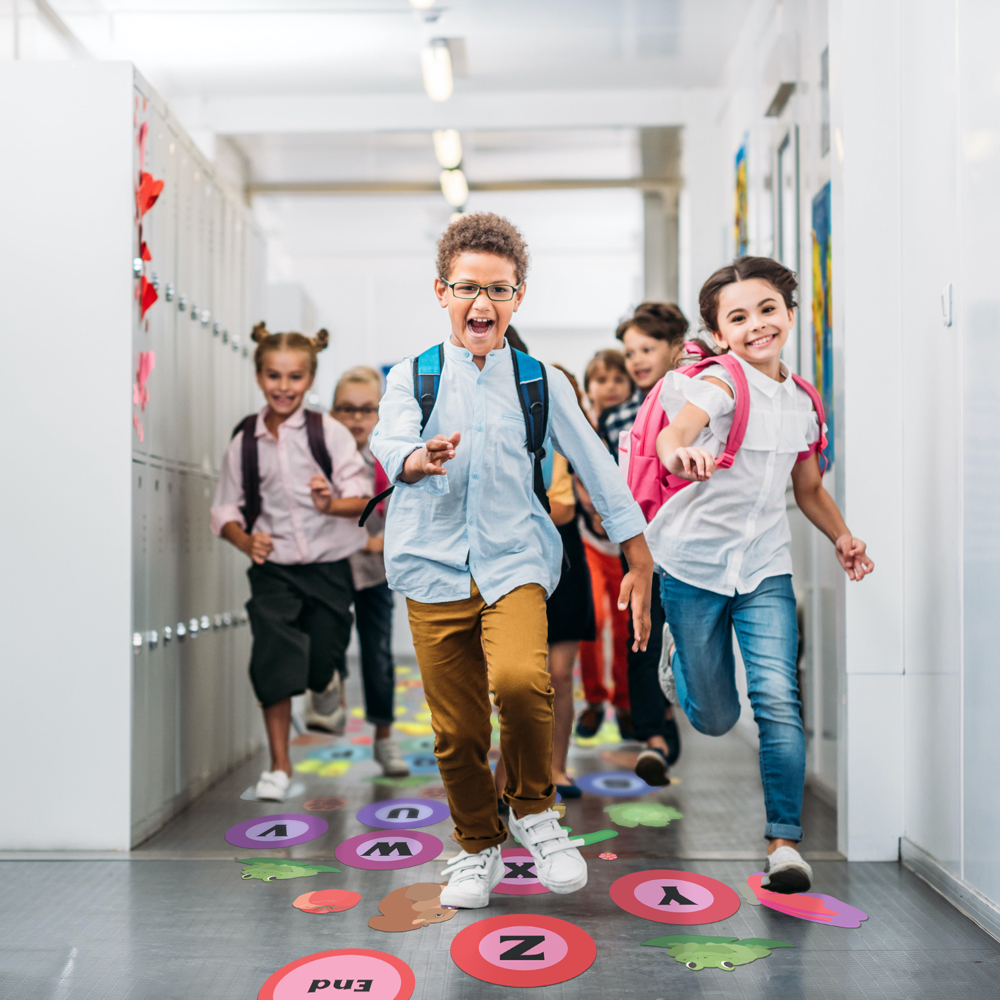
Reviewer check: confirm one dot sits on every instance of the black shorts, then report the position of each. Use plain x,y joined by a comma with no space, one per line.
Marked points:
571,607
300,617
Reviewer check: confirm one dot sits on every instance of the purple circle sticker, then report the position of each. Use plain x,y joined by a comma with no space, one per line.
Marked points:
397,814
520,877
280,830
389,850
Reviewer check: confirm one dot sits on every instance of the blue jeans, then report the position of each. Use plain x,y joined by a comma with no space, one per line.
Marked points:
701,623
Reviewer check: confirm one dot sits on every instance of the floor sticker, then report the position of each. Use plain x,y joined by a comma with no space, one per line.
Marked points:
748,894
672,897
414,728
411,782
697,952
421,763
324,805
397,814
433,792
343,751
327,901
411,907
278,869
634,814
309,739
520,877
586,839
813,906
418,744
523,949
608,733
357,970
608,857
295,789
323,768
361,740
278,830
622,783
389,850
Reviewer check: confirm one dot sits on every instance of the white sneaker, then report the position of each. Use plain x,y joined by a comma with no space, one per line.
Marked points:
786,872
666,670
325,709
272,786
387,755
471,878
560,866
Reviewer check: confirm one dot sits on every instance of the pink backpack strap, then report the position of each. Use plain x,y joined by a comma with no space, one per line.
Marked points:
819,446
697,349
741,414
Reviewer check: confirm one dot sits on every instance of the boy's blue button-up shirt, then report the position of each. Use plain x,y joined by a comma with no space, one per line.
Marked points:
483,519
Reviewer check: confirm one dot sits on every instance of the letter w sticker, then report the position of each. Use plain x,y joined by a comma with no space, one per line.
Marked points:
385,849
518,952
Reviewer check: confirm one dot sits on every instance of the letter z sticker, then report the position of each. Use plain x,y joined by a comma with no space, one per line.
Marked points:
523,949
345,972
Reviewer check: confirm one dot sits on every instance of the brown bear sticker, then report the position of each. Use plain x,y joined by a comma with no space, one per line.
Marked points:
411,907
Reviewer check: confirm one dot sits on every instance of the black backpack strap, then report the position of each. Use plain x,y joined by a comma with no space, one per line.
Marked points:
317,442
426,379
372,504
251,471
533,393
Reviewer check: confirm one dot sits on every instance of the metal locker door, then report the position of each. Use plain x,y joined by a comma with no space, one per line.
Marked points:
140,633
184,353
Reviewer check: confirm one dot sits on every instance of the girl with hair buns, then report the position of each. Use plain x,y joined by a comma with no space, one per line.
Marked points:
291,490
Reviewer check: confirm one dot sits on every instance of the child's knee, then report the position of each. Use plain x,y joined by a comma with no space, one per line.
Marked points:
714,725
523,691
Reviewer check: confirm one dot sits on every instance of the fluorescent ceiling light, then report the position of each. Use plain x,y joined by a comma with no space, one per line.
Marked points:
448,148
454,187
422,4
435,61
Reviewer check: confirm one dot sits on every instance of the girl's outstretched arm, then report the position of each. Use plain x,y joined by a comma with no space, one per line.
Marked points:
673,445
818,506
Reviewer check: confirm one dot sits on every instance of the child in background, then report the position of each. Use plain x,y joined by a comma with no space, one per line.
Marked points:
355,405
723,544
298,529
653,342
606,383
476,554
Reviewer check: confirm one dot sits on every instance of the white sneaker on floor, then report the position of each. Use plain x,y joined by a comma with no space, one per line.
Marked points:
666,670
272,786
471,879
387,757
560,866
325,709
786,872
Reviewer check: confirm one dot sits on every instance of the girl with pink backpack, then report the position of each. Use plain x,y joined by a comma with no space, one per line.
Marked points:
708,459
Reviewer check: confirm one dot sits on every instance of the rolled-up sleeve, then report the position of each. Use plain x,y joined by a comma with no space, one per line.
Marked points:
350,475
397,434
576,439
229,490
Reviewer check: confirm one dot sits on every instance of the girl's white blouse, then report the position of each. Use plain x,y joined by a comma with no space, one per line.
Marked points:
728,534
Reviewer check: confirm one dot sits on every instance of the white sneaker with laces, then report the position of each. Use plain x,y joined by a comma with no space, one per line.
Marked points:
272,786
560,866
786,872
388,758
325,709
666,670
471,879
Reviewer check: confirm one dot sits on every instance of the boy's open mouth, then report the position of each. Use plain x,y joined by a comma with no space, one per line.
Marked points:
481,327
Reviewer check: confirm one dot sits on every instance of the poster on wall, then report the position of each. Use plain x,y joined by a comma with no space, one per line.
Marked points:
822,307
740,228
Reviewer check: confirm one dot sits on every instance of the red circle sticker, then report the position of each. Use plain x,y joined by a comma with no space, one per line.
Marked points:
671,897
374,973
326,901
520,877
523,949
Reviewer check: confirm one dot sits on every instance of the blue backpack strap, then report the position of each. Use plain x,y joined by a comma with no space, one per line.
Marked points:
426,379
533,392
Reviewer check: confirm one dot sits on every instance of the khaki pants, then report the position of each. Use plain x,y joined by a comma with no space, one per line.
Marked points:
450,640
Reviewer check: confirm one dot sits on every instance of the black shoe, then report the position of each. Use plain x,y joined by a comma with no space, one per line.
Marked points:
673,737
652,767
590,721
570,791
624,719
502,807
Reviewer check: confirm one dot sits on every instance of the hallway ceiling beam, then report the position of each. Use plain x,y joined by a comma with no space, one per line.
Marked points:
407,187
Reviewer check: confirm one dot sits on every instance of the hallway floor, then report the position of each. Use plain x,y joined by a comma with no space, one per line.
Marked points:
174,919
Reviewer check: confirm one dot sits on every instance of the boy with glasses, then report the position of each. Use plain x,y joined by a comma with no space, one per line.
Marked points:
470,544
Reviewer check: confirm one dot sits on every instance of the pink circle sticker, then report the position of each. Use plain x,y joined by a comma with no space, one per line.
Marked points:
520,877
674,894
378,975
516,947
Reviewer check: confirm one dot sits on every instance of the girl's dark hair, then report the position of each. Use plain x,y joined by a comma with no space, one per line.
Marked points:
659,320
743,269
268,342
611,359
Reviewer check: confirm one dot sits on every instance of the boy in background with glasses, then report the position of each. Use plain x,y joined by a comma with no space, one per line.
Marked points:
471,546
355,405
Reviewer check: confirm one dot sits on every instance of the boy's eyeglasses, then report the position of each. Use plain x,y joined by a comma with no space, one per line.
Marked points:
470,290
355,411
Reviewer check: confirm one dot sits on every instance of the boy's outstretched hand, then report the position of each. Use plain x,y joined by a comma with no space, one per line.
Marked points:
637,586
429,460
851,555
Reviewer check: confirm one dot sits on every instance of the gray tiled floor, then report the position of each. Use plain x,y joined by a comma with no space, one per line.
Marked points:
177,921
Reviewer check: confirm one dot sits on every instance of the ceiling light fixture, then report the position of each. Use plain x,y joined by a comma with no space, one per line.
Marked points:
448,148
454,187
422,4
435,61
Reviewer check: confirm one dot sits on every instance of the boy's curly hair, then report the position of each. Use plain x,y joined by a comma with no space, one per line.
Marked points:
482,232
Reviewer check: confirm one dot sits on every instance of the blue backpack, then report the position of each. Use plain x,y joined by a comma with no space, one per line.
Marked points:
532,392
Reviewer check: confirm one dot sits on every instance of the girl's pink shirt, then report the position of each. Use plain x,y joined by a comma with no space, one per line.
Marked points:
300,533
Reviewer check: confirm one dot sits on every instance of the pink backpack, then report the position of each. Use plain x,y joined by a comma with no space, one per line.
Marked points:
651,484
